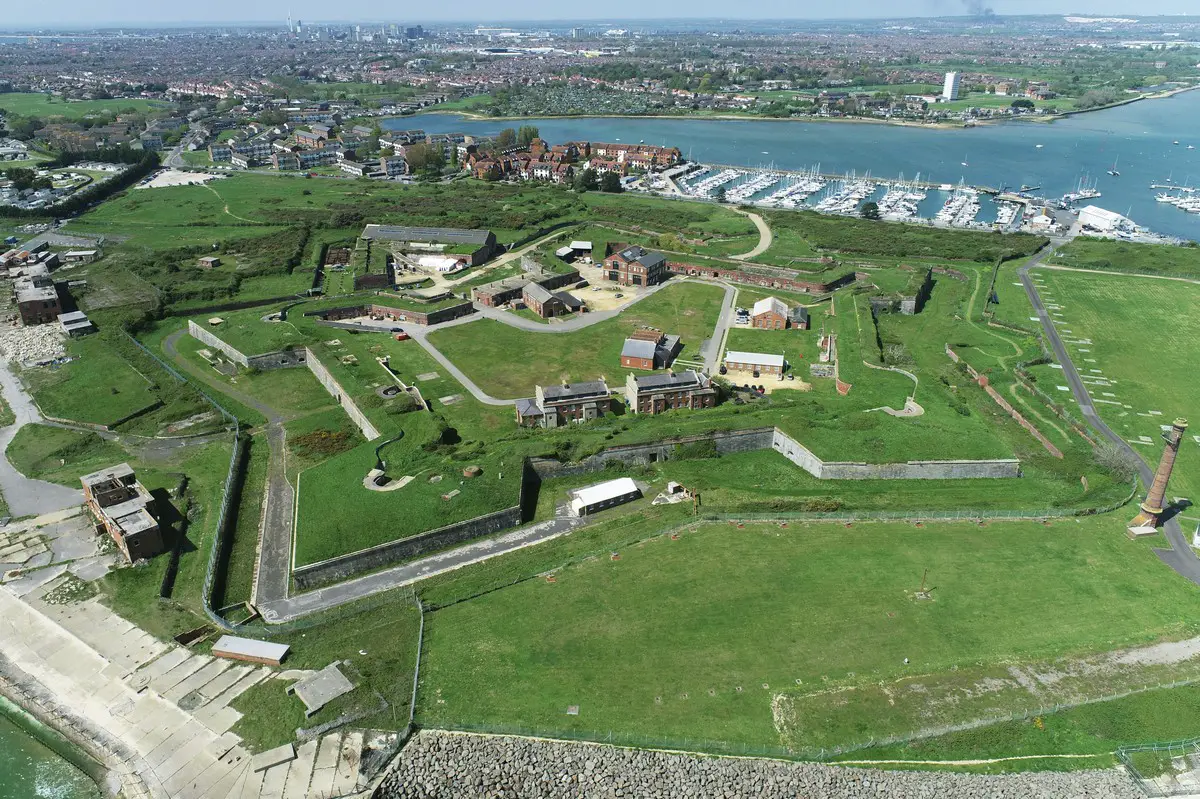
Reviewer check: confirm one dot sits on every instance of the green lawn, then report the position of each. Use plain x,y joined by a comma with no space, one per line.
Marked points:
486,350
1114,321
701,637
378,646
99,386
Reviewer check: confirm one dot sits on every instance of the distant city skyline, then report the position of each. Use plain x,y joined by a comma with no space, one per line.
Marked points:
86,13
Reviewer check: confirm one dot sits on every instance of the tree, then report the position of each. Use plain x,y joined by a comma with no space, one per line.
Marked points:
506,138
587,181
424,157
719,194
869,210
526,134
611,183
1022,103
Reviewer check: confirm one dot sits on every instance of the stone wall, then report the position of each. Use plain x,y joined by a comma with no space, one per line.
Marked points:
442,765
345,566
359,418
210,340
800,455
727,443
283,359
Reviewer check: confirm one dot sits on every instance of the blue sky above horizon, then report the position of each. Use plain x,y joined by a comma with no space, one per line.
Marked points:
70,13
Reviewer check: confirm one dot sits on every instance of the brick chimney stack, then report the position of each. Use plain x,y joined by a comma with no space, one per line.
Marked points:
1150,516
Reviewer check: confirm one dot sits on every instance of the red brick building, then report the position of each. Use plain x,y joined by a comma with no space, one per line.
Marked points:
769,313
635,266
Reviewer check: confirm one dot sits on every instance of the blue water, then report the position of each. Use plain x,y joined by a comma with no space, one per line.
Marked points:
1138,137
30,770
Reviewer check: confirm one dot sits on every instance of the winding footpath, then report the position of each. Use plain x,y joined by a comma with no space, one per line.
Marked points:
1180,556
765,236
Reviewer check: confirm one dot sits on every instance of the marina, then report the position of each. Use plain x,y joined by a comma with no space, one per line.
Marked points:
1070,166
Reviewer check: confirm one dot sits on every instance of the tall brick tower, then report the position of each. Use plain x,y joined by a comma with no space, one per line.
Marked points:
1152,509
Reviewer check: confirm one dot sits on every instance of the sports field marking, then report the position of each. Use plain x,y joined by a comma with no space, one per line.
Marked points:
1108,393
1105,402
1089,360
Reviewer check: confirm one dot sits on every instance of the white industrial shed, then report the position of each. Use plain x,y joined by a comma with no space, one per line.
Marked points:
588,500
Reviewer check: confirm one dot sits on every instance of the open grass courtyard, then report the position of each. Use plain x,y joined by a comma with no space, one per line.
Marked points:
508,362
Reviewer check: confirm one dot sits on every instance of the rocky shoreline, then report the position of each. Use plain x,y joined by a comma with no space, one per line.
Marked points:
441,765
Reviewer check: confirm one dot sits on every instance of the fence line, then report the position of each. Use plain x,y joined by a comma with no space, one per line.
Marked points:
221,532
1172,749
917,515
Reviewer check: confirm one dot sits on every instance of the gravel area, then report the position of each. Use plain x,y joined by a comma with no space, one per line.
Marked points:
32,345
440,764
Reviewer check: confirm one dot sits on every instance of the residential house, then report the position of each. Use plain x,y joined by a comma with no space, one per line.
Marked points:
651,394
548,304
557,406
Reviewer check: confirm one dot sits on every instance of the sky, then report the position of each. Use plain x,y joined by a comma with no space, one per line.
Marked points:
68,13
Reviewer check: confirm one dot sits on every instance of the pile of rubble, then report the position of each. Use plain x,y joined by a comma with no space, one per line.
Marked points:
30,346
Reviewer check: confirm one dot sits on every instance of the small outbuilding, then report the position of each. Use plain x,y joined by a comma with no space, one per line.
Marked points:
208,262
250,650
586,501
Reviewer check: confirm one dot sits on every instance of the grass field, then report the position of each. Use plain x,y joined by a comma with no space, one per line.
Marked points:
1096,729
1124,256
745,620
60,456
377,646
99,386
1113,322
488,351
41,105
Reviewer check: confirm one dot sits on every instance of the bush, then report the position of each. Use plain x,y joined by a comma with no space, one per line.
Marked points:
697,450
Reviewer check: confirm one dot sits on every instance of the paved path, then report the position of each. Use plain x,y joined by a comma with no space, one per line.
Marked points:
1180,556
414,571
26,497
273,569
765,236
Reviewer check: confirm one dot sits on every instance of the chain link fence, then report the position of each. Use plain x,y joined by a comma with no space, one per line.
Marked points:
1153,767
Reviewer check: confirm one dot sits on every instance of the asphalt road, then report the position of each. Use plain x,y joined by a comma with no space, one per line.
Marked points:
1180,556
273,570
27,497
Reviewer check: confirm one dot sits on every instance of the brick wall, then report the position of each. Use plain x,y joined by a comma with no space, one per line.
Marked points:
1005,404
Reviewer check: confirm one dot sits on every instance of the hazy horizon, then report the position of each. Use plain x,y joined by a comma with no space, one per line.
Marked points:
74,14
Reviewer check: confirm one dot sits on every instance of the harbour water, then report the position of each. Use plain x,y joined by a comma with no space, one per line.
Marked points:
1137,138
29,769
